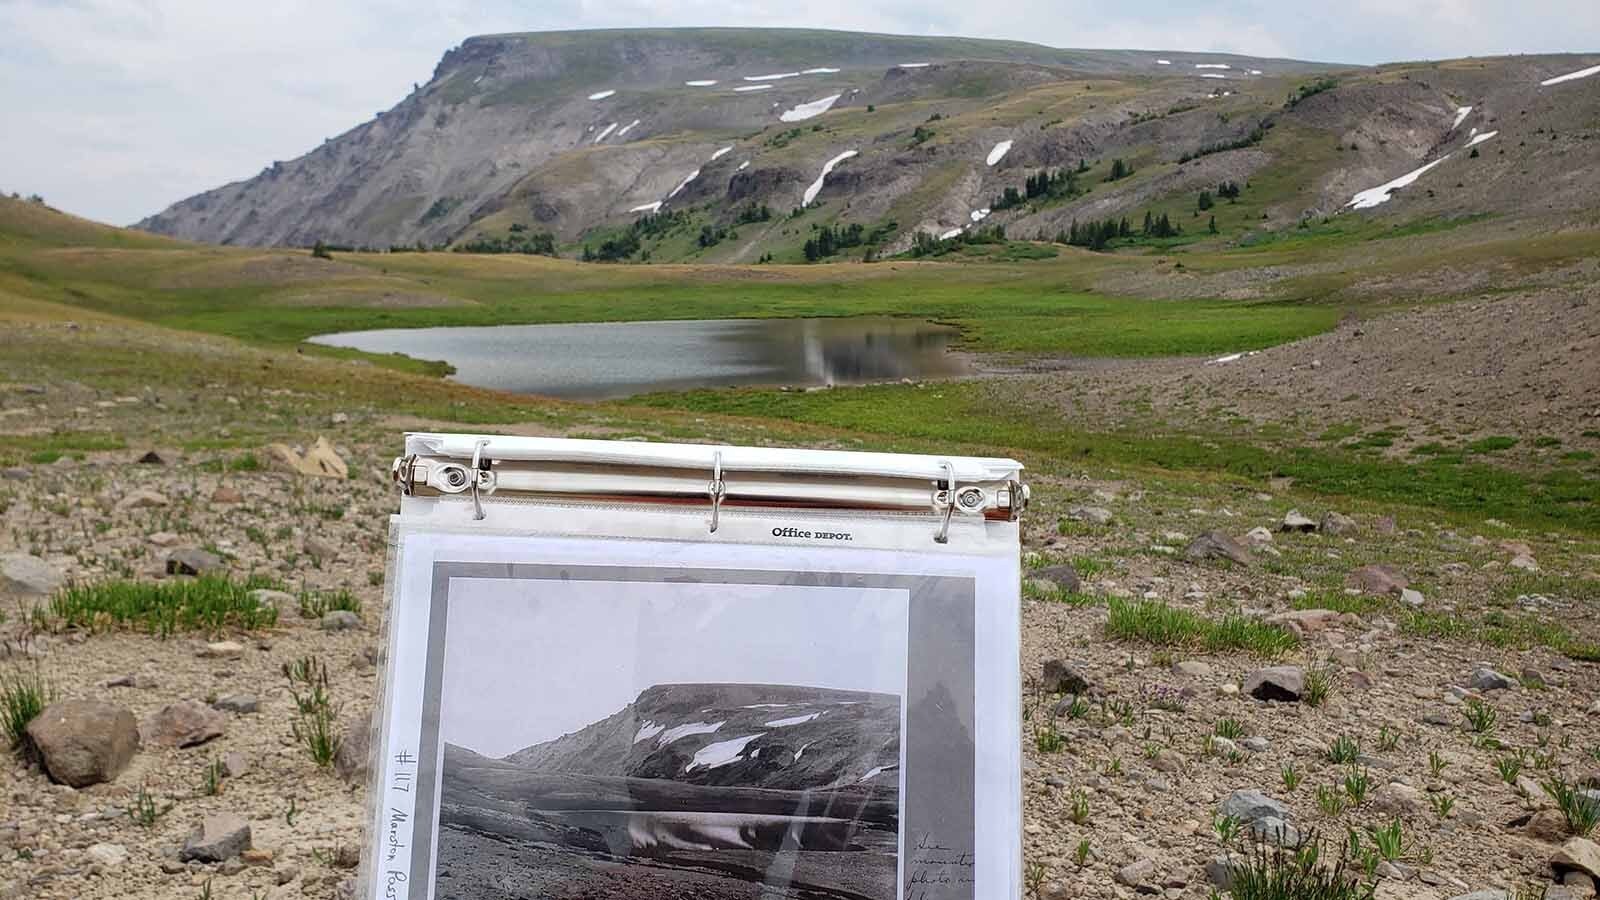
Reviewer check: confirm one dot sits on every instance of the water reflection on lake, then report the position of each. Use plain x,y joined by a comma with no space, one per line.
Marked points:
606,360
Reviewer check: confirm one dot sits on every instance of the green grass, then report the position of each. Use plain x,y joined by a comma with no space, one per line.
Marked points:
23,695
316,604
207,603
1156,623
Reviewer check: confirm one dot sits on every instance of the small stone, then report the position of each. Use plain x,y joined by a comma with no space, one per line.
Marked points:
283,601
1577,854
1490,894
1411,598
1061,678
340,620
238,703
1377,579
1220,872
1095,515
1276,830
216,838
351,762
192,561
284,873
151,458
256,857
186,723
108,855
142,499
1547,825
223,650
1063,578
1336,523
1167,761
1256,744
1055,781
320,549
1136,873
1487,679
1252,805
1398,800
1258,537
84,742
1525,563
226,495
1279,683
1192,668
234,764
1294,520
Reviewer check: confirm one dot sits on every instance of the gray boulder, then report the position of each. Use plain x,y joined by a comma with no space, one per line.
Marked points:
340,620
84,742
1487,679
1336,523
216,838
25,575
192,561
1377,579
1577,855
1064,578
1251,805
1216,545
1281,683
1295,520
355,746
1096,515
1061,678
187,723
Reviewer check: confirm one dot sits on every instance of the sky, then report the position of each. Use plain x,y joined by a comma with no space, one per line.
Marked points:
522,665
115,109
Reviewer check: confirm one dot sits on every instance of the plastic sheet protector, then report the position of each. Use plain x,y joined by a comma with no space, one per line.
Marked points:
603,697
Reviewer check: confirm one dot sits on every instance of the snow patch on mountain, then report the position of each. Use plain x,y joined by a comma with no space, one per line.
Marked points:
721,753
809,110
601,95
999,152
688,729
827,168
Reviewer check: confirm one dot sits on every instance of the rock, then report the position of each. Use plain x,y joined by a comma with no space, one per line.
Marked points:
1275,830
187,723
1280,683
1061,678
1258,537
1136,873
320,460
319,548
351,761
1252,805
1581,884
1525,563
1547,825
1394,871
108,855
1577,854
192,561
1487,679
223,650
26,575
218,837
1192,668
84,742
1096,515
340,620
163,539
283,601
1398,800
1307,621
239,703
1256,744
1491,894
1336,523
142,499
1220,872
1064,578
15,473
226,495
256,857
1167,761
1411,598
151,458
1216,545
1377,579
234,764
1294,520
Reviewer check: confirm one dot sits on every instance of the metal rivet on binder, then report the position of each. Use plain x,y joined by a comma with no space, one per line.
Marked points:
717,489
943,536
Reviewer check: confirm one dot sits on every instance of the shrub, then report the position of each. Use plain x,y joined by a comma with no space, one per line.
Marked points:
22,697
208,603
1295,873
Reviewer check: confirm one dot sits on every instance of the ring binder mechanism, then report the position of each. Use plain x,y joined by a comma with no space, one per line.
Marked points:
445,466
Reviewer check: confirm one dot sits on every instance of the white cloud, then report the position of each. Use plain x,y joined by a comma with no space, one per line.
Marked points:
116,108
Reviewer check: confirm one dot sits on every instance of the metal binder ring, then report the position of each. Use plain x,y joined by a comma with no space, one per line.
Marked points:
477,476
943,536
716,489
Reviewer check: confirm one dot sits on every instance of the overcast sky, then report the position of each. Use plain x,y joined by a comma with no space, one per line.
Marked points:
116,108
526,662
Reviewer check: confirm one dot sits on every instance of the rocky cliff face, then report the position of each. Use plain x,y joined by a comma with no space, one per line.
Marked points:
751,735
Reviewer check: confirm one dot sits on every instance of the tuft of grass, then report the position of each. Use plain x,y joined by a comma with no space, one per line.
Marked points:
316,718
1388,738
1295,873
1230,729
23,695
144,812
211,780
1291,777
1581,811
1480,716
1343,750
1330,801
207,603
1048,739
1510,766
1357,784
1154,622
316,604
1079,811
1442,805
1318,685
1389,840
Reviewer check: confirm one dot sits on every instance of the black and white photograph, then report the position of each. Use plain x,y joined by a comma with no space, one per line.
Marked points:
720,741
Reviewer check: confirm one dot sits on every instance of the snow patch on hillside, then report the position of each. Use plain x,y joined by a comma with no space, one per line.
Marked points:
683,184
1163,62
721,753
875,771
827,168
752,87
999,152
648,730
792,720
978,215
1255,71
1212,66
721,153
950,234
1381,194
703,82
601,95
914,65
742,166
809,110
1480,138
777,76
820,70
627,128
648,208
1571,76
1461,116
1212,75
685,730
604,133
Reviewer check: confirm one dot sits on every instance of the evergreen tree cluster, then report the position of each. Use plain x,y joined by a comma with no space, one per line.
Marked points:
1256,135
521,240
1046,184
625,245
1229,190
1098,235
1120,169
751,213
831,240
926,244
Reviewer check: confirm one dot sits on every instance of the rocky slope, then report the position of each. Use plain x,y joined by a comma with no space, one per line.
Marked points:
752,735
